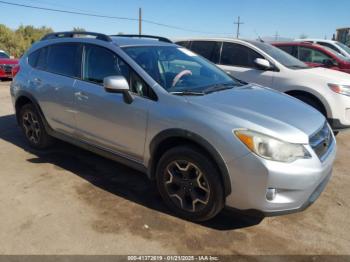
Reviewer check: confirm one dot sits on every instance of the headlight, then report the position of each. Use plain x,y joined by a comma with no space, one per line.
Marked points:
271,148
340,89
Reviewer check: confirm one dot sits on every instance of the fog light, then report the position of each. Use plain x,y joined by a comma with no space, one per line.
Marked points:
271,193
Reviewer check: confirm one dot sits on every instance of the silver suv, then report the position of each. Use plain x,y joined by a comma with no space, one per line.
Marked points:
207,139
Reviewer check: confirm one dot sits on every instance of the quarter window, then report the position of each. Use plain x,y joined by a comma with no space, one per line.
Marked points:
329,46
238,55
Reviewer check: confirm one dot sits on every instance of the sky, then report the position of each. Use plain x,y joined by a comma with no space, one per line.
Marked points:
288,18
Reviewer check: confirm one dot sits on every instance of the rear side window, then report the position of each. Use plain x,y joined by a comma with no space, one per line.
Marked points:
238,55
208,49
64,59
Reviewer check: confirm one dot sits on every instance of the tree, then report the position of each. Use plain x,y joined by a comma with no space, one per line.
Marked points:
16,42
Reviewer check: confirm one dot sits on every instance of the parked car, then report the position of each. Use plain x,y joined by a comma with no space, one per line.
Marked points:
8,66
334,45
256,62
316,55
207,139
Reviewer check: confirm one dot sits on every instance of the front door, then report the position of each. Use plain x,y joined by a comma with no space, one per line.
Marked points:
238,60
104,119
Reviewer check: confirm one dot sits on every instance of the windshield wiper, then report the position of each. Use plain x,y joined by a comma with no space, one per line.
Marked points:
187,93
220,87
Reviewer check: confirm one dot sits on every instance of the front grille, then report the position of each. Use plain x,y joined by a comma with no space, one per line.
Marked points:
321,141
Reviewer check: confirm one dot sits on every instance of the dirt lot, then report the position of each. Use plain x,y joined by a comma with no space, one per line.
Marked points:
70,201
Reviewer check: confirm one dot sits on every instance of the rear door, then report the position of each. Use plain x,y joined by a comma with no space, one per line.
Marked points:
238,60
208,49
56,68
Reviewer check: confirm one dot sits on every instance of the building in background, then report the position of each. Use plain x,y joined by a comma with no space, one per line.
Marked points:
343,35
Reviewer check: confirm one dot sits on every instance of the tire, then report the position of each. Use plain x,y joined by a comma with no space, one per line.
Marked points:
33,128
190,184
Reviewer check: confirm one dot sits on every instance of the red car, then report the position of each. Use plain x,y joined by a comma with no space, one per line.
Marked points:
8,67
316,55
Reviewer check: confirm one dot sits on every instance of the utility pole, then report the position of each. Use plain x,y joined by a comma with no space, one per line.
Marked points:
276,36
238,23
140,21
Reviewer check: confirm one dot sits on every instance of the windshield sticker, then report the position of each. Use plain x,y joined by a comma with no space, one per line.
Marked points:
187,52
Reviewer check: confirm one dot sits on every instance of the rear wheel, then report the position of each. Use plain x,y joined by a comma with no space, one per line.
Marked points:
33,128
190,184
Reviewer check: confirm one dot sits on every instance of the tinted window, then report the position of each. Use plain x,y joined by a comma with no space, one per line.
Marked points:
38,59
288,49
329,46
101,63
208,49
33,58
238,55
63,59
184,43
310,55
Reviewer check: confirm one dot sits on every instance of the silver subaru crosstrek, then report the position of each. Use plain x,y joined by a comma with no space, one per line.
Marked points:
207,139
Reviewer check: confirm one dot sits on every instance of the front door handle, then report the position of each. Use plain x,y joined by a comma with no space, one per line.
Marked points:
81,96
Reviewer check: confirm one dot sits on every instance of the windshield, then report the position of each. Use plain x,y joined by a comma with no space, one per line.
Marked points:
281,56
3,55
179,70
344,47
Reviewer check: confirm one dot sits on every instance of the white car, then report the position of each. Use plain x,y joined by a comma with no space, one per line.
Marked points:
256,62
334,45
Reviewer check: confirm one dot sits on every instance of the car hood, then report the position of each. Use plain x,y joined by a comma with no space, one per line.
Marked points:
264,110
8,61
331,76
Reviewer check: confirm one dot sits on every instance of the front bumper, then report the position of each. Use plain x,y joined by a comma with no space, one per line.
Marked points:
297,184
5,74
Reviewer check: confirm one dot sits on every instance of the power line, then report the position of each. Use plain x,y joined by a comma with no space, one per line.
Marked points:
108,17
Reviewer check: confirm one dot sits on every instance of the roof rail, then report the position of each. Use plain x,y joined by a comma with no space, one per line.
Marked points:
159,38
73,34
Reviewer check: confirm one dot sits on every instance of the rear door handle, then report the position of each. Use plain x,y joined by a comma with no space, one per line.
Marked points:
81,95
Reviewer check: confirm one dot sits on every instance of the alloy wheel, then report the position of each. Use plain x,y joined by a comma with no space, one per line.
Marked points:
187,186
31,127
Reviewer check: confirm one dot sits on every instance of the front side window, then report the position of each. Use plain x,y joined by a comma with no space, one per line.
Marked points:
310,55
178,69
238,55
100,63
208,49
280,56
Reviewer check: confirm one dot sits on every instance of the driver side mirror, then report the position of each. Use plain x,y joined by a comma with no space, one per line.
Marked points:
118,84
263,64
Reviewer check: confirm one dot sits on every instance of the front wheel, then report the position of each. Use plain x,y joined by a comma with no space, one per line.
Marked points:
189,184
